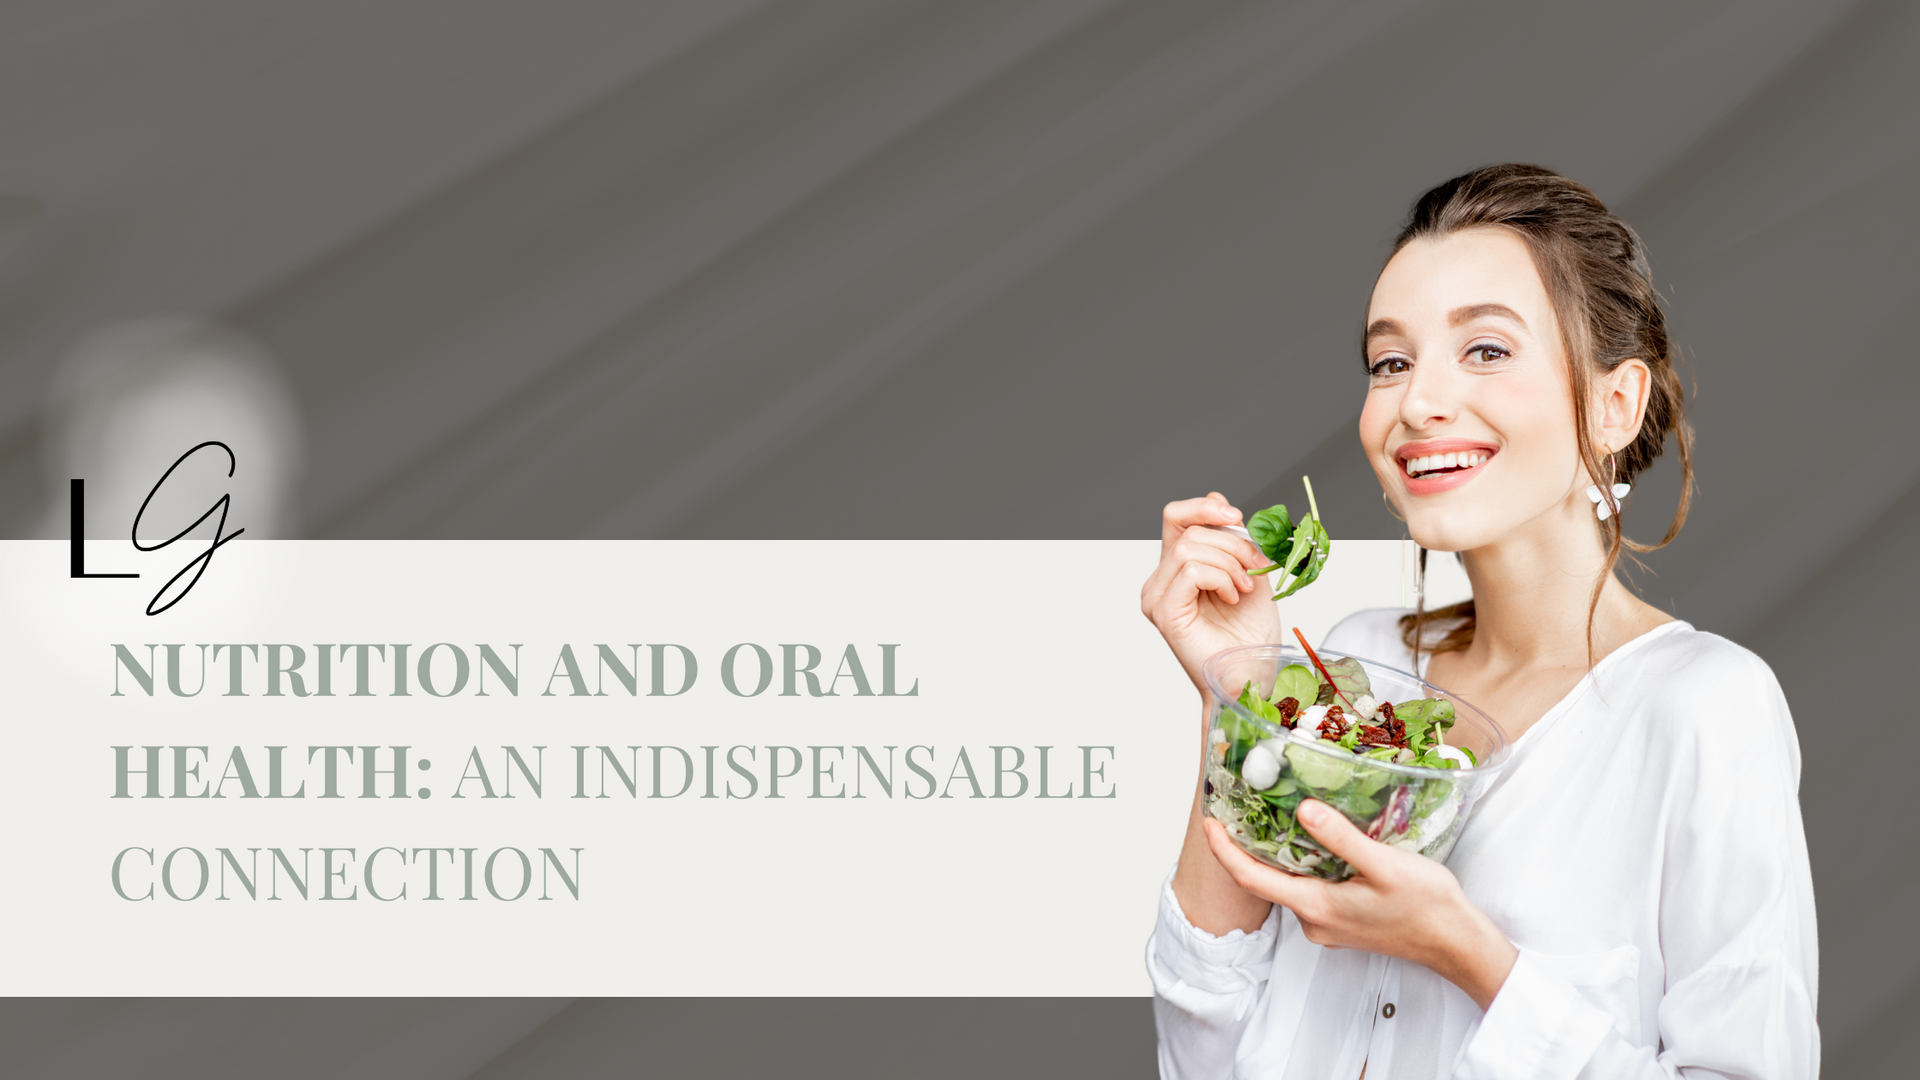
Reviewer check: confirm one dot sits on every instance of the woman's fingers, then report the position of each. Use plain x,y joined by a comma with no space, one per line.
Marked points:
1194,578
1187,533
1335,833
1211,547
1198,546
1179,516
1193,597
1245,552
1191,567
1304,896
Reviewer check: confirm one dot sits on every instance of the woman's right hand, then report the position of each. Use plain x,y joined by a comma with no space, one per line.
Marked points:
1201,597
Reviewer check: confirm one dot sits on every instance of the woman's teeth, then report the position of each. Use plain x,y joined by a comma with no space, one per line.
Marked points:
1436,462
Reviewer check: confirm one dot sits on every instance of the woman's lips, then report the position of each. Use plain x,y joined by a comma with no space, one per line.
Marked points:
1440,467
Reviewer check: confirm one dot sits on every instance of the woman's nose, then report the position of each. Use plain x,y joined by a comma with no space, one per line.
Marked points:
1432,398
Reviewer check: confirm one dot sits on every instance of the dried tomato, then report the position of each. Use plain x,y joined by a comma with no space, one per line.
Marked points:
1289,710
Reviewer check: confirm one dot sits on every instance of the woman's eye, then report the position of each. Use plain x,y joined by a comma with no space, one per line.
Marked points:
1389,365
1489,354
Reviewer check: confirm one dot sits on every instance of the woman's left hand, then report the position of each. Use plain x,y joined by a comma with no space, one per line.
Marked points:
1398,903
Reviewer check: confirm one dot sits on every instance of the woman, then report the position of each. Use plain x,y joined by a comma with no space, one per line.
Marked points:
1632,897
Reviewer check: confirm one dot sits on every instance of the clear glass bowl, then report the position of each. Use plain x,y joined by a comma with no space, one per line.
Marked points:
1407,806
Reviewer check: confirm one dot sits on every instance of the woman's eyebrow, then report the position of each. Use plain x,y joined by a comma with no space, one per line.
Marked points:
1390,327
1384,327
1476,311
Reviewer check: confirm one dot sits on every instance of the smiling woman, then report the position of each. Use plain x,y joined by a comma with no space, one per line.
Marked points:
1632,897
1469,236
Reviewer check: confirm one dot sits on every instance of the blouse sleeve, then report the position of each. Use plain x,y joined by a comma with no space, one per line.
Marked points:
1736,918
1205,988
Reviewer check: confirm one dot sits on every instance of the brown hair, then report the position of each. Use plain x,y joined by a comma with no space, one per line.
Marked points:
1596,276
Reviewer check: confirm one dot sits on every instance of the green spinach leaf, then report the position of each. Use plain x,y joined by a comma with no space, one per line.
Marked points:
1297,548
1310,550
1270,529
1296,681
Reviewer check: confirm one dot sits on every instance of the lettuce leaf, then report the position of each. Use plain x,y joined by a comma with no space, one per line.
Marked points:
1260,706
1241,735
1316,771
1425,718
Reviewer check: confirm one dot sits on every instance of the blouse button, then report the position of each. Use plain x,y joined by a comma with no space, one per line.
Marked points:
1387,1010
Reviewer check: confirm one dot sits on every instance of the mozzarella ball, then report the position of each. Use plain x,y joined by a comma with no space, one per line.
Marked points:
1261,769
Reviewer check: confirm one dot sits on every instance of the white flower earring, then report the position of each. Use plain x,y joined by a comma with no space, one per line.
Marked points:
1603,506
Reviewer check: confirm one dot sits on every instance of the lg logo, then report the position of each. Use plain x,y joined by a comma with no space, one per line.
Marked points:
168,595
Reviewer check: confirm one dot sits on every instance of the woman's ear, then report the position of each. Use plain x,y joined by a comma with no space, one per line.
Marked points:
1622,403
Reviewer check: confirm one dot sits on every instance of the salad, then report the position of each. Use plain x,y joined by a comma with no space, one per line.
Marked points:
1321,734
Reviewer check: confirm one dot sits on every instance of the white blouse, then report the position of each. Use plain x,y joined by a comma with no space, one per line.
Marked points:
1643,849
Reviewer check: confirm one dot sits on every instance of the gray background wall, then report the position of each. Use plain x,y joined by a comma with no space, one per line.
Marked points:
1000,268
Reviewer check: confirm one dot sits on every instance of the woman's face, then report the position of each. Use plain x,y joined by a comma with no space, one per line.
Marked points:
1469,414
